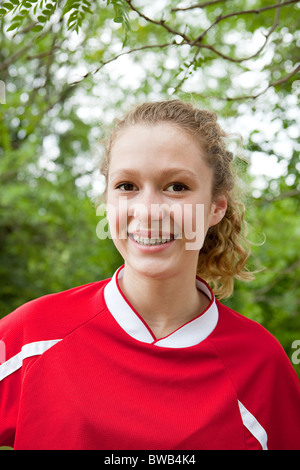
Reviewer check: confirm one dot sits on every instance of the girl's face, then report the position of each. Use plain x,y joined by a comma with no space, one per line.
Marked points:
159,202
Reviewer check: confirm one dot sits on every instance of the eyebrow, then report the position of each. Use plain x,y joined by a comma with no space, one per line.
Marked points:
168,172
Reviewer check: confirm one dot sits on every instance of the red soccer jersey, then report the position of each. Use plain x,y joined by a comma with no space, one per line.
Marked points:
83,371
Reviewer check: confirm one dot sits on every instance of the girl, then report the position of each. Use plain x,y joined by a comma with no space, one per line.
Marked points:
150,359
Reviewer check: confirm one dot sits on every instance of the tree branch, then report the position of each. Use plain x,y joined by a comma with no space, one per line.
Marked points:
198,41
280,197
243,12
16,55
130,51
286,78
198,5
260,293
227,57
252,97
271,85
22,51
160,46
159,23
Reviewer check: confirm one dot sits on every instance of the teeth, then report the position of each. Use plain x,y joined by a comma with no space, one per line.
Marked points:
150,241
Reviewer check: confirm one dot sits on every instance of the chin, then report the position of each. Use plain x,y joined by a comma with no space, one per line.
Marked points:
153,269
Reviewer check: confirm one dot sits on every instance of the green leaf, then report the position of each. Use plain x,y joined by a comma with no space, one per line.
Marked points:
13,26
47,13
71,24
42,19
68,7
86,9
118,19
37,28
7,5
73,15
18,18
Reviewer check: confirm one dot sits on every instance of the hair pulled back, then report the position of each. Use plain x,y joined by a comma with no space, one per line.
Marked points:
225,250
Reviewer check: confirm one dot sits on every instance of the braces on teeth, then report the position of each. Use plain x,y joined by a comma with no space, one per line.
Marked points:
150,241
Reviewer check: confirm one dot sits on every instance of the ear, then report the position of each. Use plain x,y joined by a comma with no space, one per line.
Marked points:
218,210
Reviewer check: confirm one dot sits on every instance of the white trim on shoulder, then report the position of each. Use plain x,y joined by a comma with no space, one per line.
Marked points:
253,426
28,350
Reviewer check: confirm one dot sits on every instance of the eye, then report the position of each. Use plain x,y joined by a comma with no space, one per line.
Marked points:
126,187
177,188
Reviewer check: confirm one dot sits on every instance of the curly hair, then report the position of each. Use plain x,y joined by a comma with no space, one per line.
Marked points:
226,249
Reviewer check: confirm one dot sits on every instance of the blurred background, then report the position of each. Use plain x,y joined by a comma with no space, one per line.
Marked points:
68,68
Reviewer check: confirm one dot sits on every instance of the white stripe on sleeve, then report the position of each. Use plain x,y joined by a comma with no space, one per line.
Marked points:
28,350
253,426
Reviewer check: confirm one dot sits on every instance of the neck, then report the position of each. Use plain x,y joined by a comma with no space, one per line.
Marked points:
164,304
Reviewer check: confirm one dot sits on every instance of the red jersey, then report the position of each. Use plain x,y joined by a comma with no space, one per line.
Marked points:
84,371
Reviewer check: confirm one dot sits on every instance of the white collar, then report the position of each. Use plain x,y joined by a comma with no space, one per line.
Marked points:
190,334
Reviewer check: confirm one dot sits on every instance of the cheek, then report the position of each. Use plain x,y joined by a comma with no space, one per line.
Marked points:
117,217
195,225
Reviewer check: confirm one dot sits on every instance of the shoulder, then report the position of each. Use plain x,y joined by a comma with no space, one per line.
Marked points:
51,316
265,382
248,350
246,332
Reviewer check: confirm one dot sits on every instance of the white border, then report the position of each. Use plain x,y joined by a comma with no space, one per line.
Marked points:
28,350
190,334
253,426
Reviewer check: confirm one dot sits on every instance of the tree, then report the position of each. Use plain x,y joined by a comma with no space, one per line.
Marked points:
69,67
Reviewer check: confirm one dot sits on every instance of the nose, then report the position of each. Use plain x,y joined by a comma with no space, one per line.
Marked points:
147,207
148,210
151,215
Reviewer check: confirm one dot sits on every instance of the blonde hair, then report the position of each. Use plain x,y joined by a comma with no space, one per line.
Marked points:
225,250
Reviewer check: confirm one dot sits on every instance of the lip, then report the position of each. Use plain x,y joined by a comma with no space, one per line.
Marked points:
151,248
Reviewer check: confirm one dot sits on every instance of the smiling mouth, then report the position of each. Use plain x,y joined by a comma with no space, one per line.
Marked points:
150,241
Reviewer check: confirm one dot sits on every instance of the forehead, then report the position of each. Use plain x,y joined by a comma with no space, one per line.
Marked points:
160,144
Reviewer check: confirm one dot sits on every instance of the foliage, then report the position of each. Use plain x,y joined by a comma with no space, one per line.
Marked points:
74,10
69,67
